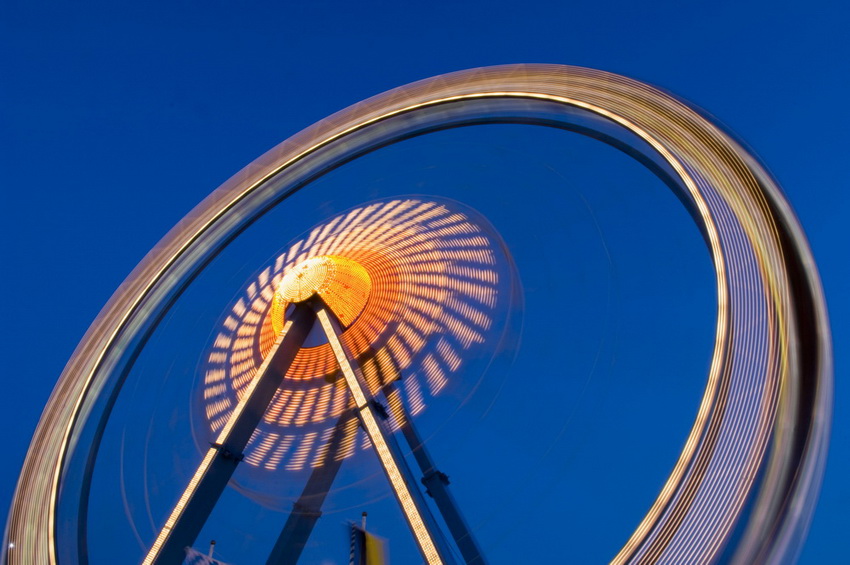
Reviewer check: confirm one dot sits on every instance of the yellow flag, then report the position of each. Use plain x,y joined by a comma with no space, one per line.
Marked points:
376,550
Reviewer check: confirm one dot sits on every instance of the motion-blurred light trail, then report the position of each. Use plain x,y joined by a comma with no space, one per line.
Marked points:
760,436
414,282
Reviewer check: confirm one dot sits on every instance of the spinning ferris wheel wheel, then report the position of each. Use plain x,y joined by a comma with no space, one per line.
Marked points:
336,345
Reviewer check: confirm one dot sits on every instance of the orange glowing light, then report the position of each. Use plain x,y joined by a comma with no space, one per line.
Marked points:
342,284
414,284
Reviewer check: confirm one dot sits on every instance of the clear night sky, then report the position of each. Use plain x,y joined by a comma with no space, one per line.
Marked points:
115,122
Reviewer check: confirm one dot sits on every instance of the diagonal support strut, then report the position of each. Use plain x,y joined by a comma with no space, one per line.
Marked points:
210,479
429,538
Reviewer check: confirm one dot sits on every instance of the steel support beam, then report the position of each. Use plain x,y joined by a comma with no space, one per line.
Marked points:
429,538
210,479
436,482
308,509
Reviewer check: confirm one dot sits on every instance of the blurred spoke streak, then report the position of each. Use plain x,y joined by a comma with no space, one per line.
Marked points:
413,286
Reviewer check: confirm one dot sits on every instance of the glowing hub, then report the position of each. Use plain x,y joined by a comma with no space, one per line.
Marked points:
343,284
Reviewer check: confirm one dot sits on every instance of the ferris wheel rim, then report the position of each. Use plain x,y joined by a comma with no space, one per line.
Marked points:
537,83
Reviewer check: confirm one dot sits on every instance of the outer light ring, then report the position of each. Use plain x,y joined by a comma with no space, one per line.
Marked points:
762,430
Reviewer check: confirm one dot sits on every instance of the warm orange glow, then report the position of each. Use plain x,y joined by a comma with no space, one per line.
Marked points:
765,413
414,284
342,284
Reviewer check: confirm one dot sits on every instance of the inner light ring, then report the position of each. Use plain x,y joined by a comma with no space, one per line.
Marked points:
723,185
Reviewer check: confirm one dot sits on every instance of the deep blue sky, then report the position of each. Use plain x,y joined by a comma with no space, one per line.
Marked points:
116,121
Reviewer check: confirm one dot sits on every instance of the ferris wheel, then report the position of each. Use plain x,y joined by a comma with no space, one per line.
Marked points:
335,345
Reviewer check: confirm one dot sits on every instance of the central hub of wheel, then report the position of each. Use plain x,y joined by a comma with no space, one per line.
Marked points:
344,285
